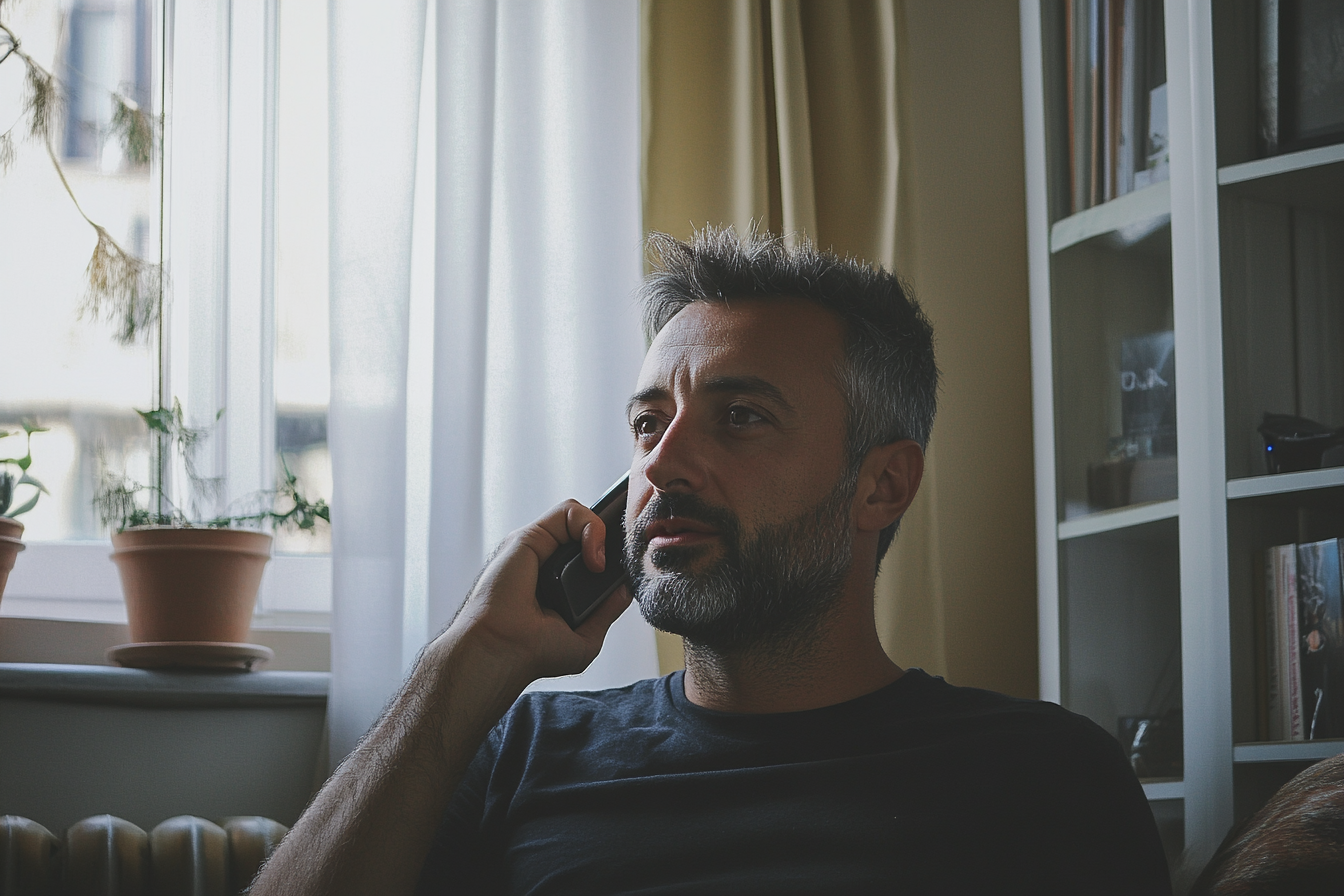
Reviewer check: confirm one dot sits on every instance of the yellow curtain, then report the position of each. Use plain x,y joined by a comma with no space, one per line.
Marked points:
786,114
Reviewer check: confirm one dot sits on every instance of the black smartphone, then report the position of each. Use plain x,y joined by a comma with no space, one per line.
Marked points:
566,585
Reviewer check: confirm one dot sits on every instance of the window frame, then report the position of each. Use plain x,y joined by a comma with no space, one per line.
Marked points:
217,71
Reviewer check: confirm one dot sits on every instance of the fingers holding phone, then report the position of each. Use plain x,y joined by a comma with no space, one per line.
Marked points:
503,608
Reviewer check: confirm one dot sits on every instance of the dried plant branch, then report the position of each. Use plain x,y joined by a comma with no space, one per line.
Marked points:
123,288
134,129
42,104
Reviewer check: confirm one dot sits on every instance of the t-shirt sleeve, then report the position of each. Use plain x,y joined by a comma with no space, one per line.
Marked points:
1110,840
461,859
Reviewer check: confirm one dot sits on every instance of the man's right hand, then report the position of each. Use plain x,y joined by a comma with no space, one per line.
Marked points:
502,612
370,827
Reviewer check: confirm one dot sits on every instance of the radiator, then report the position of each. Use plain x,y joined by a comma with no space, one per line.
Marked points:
108,856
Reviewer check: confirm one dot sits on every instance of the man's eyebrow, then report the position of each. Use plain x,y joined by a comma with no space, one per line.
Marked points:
644,396
749,385
742,385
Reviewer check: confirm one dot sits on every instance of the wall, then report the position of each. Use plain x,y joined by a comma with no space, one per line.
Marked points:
962,116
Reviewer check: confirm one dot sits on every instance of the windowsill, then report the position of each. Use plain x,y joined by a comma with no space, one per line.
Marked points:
113,685
30,640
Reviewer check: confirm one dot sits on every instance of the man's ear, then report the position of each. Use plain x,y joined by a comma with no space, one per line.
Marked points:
888,480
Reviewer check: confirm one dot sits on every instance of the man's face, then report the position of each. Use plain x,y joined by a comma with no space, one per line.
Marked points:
738,517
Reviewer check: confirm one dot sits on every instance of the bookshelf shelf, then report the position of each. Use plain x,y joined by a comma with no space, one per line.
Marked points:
1164,790
1312,178
1120,518
1287,751
1130,217
1285,483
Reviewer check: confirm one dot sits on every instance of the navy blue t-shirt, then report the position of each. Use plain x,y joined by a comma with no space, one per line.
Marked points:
920,787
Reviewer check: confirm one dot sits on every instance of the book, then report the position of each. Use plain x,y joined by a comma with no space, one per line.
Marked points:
1283,693
1115,99
1155,152
1321,638
1128,89
1301,89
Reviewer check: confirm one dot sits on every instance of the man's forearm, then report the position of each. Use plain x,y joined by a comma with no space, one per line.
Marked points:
370,827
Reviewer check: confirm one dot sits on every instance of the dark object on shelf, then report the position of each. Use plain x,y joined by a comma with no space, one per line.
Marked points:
1108,483
1154,744
1294,444
1289,846
1121,481
1301,74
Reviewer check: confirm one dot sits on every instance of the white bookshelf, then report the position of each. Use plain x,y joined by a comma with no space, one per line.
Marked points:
1137,211
1164,790
1119,518
1285,483
1265,169
1287,751
1126,593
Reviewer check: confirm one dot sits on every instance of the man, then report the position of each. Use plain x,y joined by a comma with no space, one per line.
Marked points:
779,424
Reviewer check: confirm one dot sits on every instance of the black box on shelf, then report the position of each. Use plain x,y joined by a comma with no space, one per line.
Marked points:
1294,444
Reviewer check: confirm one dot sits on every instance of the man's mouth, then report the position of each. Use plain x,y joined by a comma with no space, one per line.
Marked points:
677,532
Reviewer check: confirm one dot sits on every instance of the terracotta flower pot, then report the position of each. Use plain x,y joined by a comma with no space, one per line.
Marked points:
190,584
11,533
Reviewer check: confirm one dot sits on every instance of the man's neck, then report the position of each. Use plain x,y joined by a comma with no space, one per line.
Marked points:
833,665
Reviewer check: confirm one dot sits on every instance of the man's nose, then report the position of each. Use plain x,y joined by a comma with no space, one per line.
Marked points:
676,463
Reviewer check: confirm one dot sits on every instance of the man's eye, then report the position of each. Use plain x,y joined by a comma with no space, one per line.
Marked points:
645,425
740,416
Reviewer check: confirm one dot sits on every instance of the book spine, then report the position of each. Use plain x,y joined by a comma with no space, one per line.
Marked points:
1109,138
1128,73
1292,667
1071,104
1269,77
1269,725
1095,79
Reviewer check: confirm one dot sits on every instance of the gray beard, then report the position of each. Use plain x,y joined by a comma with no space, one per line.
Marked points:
767,591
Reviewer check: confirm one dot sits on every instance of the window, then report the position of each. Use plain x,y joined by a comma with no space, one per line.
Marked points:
236,202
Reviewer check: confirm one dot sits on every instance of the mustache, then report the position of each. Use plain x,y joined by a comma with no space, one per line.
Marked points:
686,506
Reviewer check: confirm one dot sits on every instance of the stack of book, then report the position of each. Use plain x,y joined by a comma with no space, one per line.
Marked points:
1117,98
1302,655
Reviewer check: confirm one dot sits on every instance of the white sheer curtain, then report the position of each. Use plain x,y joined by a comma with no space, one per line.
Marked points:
535,337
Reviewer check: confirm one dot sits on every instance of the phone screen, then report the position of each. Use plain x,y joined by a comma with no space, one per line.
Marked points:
566,585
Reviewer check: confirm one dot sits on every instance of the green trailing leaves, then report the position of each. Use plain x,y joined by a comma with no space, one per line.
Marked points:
10,482
160,419
122,503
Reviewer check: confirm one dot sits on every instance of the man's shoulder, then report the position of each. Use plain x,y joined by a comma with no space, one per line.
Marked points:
959,717
929,696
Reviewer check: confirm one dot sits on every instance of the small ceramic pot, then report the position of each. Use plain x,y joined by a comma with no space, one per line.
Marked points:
11,535
190,584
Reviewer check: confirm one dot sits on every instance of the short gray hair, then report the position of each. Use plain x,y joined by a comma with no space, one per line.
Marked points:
889,378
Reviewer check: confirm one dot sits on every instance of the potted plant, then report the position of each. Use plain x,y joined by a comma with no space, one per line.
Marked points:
13,474
188,576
